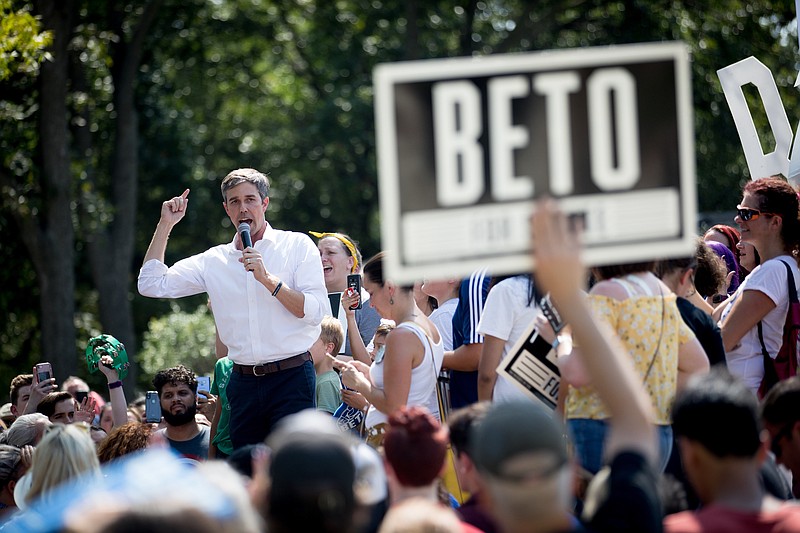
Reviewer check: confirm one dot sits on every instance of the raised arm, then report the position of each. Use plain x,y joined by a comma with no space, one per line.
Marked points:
116,393
172,212
560,270
357,348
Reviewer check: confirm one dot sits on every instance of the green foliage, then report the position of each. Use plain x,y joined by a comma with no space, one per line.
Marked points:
179,338
286,86
22,44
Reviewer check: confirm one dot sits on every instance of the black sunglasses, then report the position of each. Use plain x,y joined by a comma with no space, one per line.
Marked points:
747,214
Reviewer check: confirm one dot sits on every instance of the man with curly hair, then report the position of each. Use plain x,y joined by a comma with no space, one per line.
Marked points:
177,392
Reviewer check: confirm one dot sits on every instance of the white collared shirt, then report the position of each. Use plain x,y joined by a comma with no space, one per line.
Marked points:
252,323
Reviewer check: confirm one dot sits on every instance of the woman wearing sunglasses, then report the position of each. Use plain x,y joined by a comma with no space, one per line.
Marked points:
769,220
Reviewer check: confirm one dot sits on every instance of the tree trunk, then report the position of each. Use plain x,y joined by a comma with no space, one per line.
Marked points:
111,249
49,234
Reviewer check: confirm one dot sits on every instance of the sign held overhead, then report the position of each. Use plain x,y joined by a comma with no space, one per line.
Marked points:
465,144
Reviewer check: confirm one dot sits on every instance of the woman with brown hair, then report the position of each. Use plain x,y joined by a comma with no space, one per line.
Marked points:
124,439
412,359
752,319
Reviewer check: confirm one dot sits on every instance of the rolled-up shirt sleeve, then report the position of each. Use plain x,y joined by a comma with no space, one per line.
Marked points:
310,280
184,278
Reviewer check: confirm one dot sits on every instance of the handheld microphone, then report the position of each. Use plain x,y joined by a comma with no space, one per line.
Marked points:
244,234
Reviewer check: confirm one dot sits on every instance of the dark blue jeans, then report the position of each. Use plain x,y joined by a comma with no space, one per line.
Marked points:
259,402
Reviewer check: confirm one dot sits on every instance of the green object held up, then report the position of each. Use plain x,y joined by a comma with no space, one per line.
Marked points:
107,345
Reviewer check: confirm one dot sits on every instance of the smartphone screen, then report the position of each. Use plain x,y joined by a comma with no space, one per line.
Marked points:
44,371
203,383
354,282
81,395
152,407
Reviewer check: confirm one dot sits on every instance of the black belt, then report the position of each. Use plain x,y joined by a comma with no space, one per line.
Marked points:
275,366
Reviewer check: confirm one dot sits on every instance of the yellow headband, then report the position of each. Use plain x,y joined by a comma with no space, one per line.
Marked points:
347,244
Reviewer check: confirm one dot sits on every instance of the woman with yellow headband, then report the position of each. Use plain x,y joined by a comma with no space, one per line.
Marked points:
341,257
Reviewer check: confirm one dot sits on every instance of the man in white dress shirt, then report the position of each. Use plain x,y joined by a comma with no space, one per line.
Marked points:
268,302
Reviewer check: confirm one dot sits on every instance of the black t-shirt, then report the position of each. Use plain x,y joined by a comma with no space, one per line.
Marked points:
628,501
705,329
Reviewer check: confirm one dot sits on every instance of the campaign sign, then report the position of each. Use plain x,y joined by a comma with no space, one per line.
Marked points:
531,365
465,144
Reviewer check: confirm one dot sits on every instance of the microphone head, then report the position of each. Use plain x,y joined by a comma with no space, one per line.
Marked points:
244,226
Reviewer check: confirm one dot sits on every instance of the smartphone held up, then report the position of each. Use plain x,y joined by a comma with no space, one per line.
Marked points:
354,282
152,407
43,372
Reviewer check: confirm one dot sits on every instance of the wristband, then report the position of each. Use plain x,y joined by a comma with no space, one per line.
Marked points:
277,288
115,384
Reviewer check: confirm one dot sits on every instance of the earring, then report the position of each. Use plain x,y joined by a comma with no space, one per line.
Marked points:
391,300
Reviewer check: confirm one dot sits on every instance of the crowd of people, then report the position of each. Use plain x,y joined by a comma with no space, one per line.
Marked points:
342,400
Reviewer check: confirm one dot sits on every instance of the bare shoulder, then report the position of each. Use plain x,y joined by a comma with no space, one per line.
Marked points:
401,340
430,329
609,289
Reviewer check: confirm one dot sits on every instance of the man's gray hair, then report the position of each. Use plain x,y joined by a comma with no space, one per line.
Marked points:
10,457
245,175
25,430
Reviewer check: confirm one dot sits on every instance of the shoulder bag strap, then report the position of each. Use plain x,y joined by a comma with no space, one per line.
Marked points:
792,288
439,399
660,335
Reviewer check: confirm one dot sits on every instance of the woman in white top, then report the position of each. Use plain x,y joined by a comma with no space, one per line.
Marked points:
768,217
510,308
406,374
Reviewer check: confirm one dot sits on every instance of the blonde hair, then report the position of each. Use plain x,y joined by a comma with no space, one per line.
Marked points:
332,332
417,515
65,452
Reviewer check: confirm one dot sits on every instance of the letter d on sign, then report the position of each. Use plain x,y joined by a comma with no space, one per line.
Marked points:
456,134
732,78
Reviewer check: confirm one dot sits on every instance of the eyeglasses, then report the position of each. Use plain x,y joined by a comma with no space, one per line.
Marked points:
747,214
775,446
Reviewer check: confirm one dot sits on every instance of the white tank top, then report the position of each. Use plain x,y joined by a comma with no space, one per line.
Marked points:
422,391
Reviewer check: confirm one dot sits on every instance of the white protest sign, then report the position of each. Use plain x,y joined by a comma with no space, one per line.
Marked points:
531,365
465,144
733,78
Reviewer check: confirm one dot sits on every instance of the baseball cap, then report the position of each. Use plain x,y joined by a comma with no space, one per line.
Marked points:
512,430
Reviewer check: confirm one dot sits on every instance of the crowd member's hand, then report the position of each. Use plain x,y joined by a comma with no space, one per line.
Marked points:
206,403
545,329
85,412
350,298
353,376
727,285
109,372
39,390
556,251
173,210
354,399
26,455
361,367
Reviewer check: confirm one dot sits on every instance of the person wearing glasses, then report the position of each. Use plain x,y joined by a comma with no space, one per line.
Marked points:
769,220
